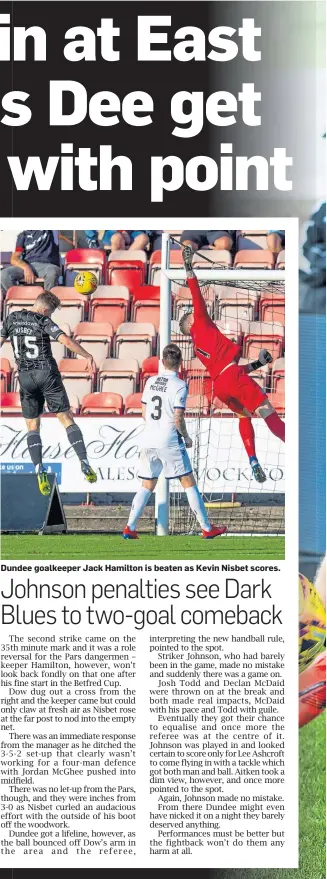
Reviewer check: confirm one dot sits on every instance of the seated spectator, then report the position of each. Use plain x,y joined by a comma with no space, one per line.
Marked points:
36,255
218,240
118,239
276,240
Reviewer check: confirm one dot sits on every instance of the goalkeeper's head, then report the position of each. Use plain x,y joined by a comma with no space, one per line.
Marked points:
186,322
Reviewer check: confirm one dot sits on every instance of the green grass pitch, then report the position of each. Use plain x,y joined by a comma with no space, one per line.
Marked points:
147,548
312,786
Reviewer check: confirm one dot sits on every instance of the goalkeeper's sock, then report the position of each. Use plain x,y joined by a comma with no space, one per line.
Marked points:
140,501
75,437
34,445
276,425
247,433
196,503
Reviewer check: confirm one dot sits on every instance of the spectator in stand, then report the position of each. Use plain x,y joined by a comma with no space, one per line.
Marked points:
222,239
276,240
36,255
118,239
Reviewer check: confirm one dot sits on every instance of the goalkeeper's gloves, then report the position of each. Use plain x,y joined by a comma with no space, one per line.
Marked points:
263,359
188,254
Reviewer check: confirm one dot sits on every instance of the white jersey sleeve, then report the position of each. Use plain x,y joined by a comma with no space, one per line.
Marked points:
180,398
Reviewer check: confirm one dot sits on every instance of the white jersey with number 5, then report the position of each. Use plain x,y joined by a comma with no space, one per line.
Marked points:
162,395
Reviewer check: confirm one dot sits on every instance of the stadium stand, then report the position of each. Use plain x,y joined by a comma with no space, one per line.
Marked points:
119,324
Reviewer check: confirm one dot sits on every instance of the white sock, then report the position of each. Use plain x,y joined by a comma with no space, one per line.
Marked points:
140,500
196,503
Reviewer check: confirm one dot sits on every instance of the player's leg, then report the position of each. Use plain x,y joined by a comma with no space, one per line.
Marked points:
32,401
193,238
273,421
76,440
48,272
58,404
139,240
242,395
150,469
10,276
118,241
198,508
220,240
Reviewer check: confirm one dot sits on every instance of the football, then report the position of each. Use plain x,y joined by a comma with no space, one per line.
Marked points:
312,623
85,282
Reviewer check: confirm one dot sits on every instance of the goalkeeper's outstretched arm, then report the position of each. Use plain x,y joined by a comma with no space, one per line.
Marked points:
200,308
263,359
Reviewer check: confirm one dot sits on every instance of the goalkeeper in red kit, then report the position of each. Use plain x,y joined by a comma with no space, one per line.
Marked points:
231,383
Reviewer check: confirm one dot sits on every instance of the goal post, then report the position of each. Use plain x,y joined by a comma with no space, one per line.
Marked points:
255,281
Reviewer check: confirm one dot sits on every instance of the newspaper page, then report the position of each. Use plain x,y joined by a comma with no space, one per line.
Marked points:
163,665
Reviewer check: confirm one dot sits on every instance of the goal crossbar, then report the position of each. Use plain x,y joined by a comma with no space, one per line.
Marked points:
178,274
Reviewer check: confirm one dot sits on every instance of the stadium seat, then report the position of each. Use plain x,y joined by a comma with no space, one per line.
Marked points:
76,377
155,264
74,403
135,340
110,305
221,258
146,305
59,350
198,379
21,297
231,328
128,256
262,334
5,374
73,306
89,259
237,303
277,400
96,338
7,353
133,404
102,403
254,259
280,262
278,375
150,367
197,404
129,273
10,403
252,240
119,376
272,308
183,300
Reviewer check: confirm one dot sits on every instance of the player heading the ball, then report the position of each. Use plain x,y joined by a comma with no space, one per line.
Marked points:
30,331
164,442
231,382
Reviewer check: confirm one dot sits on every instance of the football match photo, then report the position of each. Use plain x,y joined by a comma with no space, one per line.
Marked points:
143,394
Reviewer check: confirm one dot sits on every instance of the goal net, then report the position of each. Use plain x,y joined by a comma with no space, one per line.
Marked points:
250,310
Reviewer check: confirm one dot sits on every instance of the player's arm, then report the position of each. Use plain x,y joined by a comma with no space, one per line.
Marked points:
179,415
76,348
199,305
263,359
16,260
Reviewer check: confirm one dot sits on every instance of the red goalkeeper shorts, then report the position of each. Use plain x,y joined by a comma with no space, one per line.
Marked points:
235,388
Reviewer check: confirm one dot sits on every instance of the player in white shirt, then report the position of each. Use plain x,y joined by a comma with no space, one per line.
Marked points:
163,444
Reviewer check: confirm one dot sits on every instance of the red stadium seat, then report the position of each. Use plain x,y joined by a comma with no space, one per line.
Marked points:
221,258
102,403
10,403
8,353
278,375
128,256
110,305
175,259
197,404
135,340
237,303
130,274
133,404
86,258
280,262
272,307
146,305
96,338
21,297
150,367
73,306
198,379
5,374
254,259
119,376
183,300
76,377
262,334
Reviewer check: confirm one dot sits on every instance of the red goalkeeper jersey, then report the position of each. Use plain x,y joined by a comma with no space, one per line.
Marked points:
211,346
